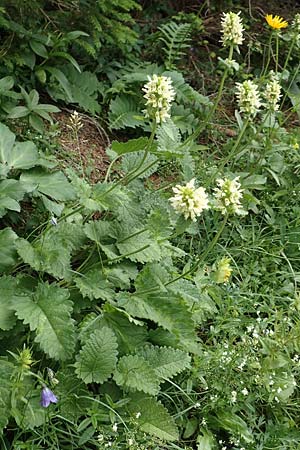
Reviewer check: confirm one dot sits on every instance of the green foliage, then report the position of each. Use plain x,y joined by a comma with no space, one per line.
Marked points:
154,418
97,359
51,320
175,38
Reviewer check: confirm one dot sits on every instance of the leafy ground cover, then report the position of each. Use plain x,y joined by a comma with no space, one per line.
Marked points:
149,231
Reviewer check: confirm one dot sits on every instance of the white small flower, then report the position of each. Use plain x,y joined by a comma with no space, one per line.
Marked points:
245,391
248,97
228,195
130,442
272,93
189,201
233,396
231,29
296,23
100,437
115,427
159,94
138,415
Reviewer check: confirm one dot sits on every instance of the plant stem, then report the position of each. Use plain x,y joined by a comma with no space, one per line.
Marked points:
215,105
269,55
203,256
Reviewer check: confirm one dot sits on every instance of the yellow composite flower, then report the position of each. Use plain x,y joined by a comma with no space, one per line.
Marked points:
276,22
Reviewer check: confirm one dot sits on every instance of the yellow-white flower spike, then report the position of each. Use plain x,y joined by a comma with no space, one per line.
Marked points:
228,196
159,94
248,97
231,29
272,93
189,200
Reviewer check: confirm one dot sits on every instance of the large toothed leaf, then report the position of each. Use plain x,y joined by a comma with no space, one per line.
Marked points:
166,361
167,310
97,359
6,372
48,313
54,185
154,418
133,372
8,253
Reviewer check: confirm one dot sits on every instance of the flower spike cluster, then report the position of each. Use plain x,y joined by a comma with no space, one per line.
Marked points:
276,22
296,23
231,29
189,200
228,196
159,94
272,93
248,97
222,271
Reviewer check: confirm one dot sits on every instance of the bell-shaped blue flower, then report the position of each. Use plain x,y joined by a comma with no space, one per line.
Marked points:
47,397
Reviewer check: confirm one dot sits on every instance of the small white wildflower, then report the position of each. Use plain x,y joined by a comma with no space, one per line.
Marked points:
100,437
245,391
138,415
130,442
115,427
228,195
272,93
159,94
231,29
248,97
204,423
233,396
197,405
189,201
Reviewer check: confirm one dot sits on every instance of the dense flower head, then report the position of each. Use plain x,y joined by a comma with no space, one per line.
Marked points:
223,271
228,196
231,29
296,23
276,22
159,94
189,200
272,93
248,97
47,397
75,122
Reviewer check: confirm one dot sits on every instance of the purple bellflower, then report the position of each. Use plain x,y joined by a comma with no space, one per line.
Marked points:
47,397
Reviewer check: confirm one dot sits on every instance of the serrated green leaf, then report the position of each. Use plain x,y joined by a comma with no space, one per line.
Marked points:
133,145
52,252
129,335
133,372
6,372
11,192
154,418
134,162
124,112
9,293
138,246
54,184
48,313
94,285
167,310
23,155
166,361
8,252
97,359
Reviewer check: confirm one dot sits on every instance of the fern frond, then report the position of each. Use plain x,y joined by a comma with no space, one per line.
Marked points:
176,38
